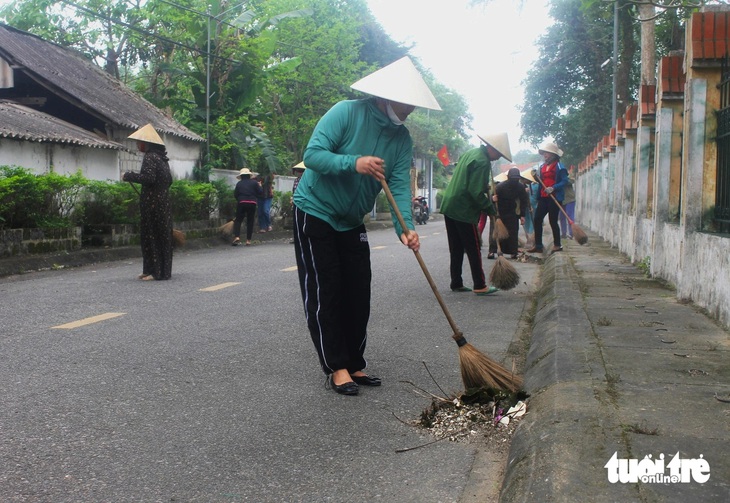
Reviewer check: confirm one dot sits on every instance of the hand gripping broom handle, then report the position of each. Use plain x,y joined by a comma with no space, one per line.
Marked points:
458,336
556,201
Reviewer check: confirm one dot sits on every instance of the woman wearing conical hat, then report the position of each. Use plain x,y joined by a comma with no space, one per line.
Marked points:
247,193
355,144
154,204
554,178
465,199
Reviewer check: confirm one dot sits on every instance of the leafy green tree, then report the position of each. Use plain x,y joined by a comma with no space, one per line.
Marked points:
274,67
567,93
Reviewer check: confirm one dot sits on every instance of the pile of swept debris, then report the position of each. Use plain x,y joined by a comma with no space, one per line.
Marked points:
482,413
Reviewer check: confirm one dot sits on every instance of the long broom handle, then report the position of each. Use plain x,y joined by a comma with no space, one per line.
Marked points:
556,201
457,333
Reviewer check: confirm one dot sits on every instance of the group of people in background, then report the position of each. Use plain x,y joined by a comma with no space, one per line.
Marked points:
253,195
358,148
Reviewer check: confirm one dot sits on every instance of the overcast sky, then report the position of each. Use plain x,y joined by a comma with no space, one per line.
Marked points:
481,52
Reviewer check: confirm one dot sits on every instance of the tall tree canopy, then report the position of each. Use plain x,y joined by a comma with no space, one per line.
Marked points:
568,93
274,67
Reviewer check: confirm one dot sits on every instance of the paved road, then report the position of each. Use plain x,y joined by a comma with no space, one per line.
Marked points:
184,394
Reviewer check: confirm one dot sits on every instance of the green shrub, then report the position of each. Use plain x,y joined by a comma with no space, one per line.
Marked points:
108,203
226,202
30,200
51,200
192,201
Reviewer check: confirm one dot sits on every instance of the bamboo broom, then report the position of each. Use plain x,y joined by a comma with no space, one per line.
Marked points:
500,231
578,234
477,369
503,275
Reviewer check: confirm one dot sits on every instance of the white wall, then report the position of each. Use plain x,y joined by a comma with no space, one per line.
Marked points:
94,163
183,154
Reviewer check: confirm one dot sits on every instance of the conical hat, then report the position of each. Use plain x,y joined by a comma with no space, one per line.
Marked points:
548,146
527,175
147,133
299,166
500,143
245,171
502,177
400,82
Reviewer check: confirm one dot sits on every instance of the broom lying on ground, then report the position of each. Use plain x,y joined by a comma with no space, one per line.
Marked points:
578,234
477,369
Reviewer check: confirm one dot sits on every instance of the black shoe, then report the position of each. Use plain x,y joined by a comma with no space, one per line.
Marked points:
367,380
491,256
348,388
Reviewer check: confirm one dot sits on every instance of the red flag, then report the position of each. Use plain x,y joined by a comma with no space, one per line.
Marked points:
443,156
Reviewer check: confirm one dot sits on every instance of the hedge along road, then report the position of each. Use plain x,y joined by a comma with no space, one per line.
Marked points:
207,387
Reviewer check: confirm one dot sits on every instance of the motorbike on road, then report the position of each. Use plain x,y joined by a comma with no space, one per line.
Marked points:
420,210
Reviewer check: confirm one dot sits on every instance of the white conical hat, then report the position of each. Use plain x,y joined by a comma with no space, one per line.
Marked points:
147,133
548,146
502,177
400,82
500,143
527,175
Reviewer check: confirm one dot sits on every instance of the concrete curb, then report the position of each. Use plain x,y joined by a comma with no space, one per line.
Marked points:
549,460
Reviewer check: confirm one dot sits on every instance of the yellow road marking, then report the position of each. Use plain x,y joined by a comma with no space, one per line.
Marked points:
379,247
290,269
89,321
219,287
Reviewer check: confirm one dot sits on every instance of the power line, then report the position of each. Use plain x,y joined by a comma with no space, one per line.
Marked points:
146,33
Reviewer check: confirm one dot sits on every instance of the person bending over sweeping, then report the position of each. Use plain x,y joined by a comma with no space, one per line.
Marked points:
463,201
508,194
356,144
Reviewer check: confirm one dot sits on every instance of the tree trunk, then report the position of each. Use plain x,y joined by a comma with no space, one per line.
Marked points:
626,57
648,45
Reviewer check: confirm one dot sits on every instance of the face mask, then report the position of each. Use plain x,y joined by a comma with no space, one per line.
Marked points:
392,116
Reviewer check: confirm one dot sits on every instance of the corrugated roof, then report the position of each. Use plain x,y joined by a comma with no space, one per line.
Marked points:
69,74
22,123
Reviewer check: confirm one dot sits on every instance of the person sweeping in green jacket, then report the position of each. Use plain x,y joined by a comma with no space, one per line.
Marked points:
354,146
464,200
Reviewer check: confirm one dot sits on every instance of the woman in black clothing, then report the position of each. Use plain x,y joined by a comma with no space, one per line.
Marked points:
509,193
154,204
247,192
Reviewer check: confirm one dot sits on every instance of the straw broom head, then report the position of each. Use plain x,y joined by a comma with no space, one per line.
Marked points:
500,232
478,370
504,275
578,234
227,229
178,238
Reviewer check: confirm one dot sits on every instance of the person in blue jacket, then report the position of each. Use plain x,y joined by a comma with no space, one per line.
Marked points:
554,178
354,146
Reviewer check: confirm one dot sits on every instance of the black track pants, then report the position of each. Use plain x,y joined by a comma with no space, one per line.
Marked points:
464,238
334,277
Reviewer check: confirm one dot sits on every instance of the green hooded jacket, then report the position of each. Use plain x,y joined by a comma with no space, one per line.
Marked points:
331,189
466,196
